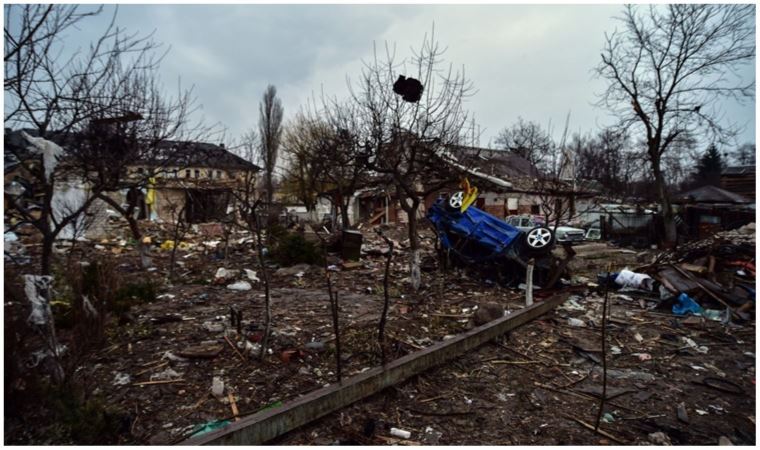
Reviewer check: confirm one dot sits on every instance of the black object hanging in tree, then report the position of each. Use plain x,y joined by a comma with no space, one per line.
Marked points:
409,89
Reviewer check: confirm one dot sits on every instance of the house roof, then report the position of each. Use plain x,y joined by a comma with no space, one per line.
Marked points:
186,154
500,163
202,154
739,170
505,171
710,194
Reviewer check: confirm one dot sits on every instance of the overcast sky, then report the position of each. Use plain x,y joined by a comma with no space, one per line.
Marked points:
529,61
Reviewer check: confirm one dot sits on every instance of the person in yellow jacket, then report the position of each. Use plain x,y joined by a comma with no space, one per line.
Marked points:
150,199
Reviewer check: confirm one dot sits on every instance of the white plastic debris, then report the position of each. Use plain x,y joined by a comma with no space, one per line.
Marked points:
213,327
50,152
251,275
691,344
121,379
240,286
88,308
217,387
573,322
659,438
252,348
626,278
40,355
35,287
10,236
572,304
403,434
168,374
223,274
172,357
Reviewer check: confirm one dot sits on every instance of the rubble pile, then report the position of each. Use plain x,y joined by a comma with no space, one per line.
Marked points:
188,362
713,274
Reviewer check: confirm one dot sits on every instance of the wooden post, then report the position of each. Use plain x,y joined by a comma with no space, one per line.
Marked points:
529,283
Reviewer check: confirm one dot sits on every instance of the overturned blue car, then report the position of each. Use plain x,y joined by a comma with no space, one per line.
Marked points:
499,251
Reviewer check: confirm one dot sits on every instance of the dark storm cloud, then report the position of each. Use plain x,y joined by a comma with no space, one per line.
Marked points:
529,61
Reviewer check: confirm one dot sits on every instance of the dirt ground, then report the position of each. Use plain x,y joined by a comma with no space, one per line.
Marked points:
539,385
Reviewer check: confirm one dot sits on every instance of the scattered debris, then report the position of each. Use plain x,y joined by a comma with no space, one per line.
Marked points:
165,375
399,433
121,379
240,286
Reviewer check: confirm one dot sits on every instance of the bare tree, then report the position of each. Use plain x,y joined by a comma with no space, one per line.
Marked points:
667,72
301,173
332,295
147,129
270,131
180,227
30,30
57,97
405,141
609,158
525,138
328,150
745,154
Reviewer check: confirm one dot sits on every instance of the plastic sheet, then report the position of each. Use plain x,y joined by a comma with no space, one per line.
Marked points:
627,278
36,288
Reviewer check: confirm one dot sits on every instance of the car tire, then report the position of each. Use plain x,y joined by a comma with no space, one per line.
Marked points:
454,202
539,240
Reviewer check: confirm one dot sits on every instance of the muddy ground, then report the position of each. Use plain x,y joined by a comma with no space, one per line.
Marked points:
536,386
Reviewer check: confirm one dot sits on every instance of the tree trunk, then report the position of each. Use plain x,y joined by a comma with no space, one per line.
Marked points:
48,238
386,302
344,216
134,228
47,254
662,192
414,245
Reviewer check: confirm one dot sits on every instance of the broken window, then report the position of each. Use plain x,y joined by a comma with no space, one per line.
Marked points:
187,173
534,209
197,173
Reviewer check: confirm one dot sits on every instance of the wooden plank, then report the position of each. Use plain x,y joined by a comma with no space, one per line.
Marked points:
266,425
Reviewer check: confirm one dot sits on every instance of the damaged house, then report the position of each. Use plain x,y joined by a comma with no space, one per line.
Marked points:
192,178
508,184
710,209
199,181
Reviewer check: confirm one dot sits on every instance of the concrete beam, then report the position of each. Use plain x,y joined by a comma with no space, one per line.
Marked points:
266,425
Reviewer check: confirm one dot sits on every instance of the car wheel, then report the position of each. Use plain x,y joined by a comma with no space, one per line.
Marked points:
456,200
539,239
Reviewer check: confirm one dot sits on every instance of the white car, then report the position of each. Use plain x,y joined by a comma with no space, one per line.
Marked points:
562,234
